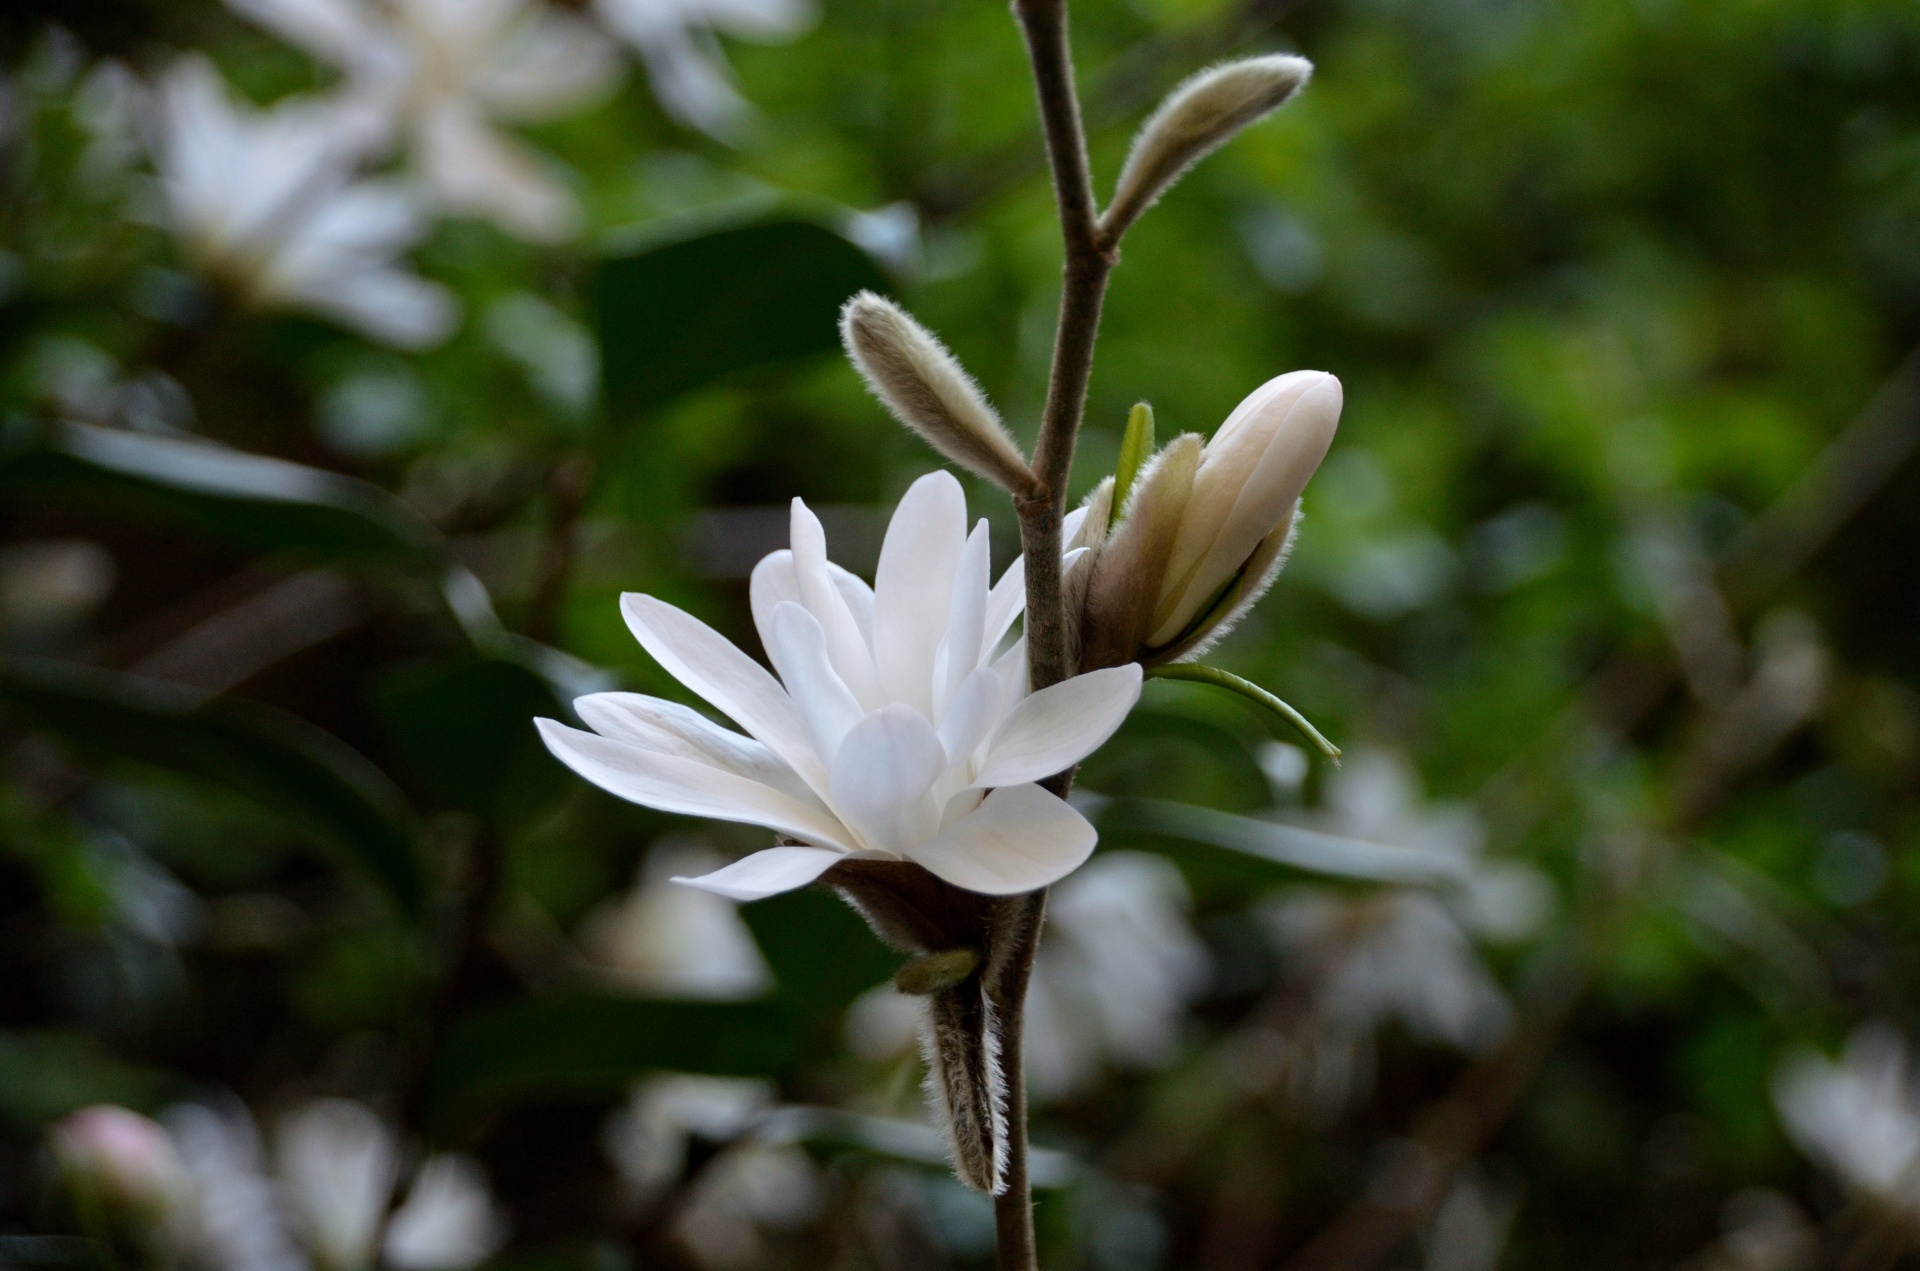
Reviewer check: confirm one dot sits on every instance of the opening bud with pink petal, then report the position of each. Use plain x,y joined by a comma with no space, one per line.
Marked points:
1206,527
121,1167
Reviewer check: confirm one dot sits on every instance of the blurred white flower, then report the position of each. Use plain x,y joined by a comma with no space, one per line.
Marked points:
1395,955
1764,1231
676,40
669,941
1858,1118
896,730
337,1163
234,1223
266,202
448,1222
435,75
1117,966
746,1194
647,1139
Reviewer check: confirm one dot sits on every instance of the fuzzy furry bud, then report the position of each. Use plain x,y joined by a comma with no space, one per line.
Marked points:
1197,118
926,388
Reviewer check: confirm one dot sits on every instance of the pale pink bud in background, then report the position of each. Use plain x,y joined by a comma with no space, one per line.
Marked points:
1249,480
121,1162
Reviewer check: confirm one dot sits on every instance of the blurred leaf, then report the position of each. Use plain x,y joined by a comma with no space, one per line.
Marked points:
1266,852
683,314
466,728
590,1046
820,950
45,1075
243,498
290,767
72,1253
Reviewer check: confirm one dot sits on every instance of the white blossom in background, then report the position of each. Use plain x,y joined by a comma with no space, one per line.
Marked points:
896,730
329,1201
668,941
1858,1118
1117,967
436,76
744,1199
234,1222
677,41
448,1222
267,203
647,1139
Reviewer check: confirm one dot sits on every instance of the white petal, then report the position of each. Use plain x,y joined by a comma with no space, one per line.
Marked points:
1005,602
652,723
473,168
798,648
740,688
914,586
971,715
966,614
686,787
1070,526
1057,727
774,580
859,598
846,646
1021,838
883,776
767,873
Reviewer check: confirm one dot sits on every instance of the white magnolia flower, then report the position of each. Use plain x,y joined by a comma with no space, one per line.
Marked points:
668,941
1116,968
436,74
745,1198
894,731
647,1139
266,202
337,1163
1860,1117
234,1222
448,1222
676,41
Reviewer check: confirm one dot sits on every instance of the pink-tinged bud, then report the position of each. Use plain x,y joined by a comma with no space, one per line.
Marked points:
1249,481
120,1164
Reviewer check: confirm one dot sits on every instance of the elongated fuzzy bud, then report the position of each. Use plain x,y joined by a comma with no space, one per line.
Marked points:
927,390
1197,118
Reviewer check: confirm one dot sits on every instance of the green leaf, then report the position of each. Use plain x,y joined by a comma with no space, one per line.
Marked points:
44,1075
251,500
1136,447
1260,852
588,1046
682,314
1213,675
318,783
466,728
821,952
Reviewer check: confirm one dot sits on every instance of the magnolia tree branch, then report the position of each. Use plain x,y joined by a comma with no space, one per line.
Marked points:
1017,920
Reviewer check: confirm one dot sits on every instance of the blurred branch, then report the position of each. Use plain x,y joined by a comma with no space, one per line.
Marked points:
266,628
1728,741
1131,83
569,482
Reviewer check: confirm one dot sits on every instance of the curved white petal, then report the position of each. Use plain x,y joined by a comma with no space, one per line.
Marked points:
859,598
766,873
971,715
1019,839
883,775
773,580
1005,603
966,614
652,723
846,645
1057,727
740,688
686,787
913,586
798,648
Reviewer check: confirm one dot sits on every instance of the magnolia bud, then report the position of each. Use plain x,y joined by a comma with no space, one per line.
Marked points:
926,388
120,1164
1207,527
1197,118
